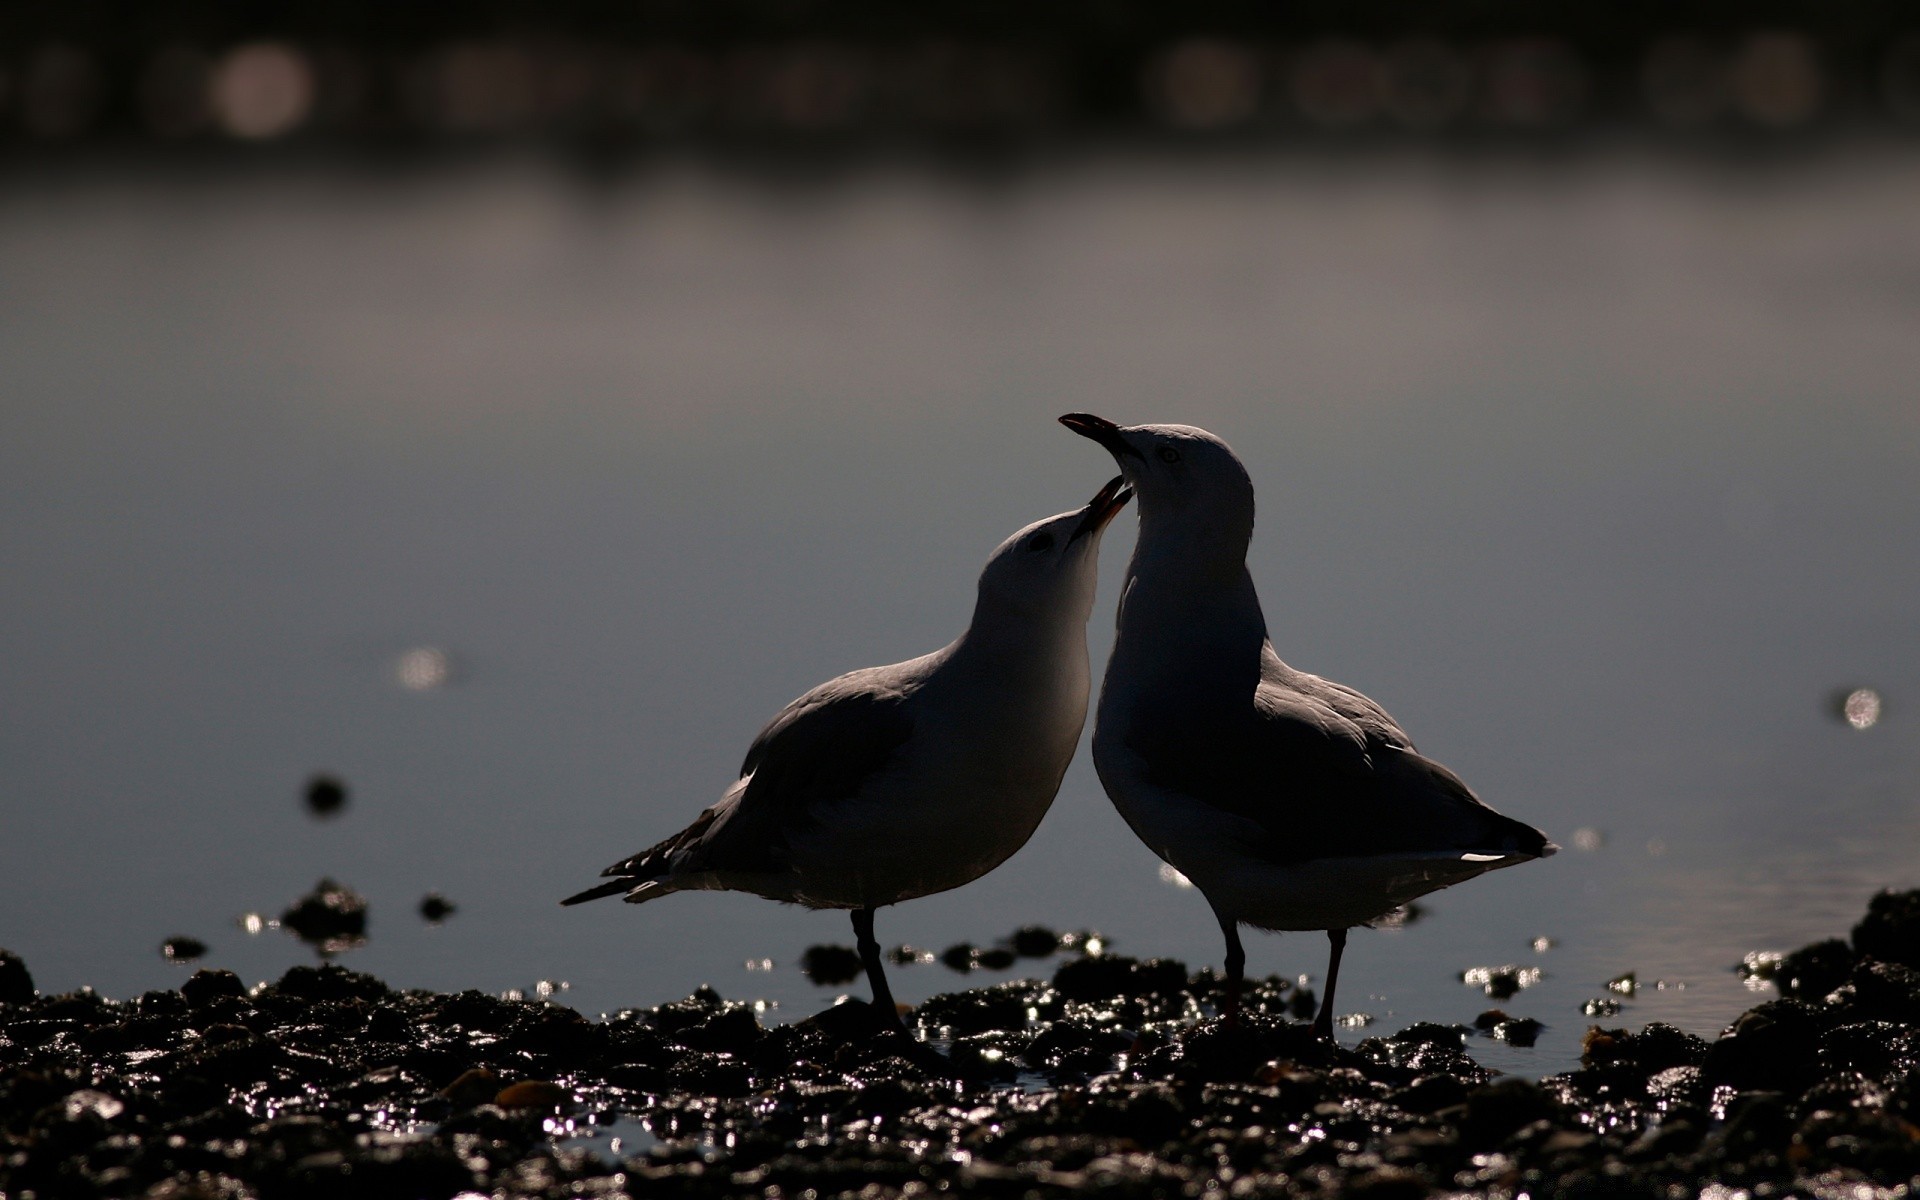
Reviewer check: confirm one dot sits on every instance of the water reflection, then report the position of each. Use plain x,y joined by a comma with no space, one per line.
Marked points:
632,449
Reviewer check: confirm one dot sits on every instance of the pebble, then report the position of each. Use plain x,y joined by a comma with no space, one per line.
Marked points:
1111,1077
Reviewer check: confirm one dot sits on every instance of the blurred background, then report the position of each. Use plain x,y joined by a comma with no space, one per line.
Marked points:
434,440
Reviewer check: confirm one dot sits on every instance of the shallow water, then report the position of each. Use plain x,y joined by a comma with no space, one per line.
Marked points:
1597,473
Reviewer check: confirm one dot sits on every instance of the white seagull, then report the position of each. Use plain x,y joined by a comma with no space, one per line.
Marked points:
1290,801
900,781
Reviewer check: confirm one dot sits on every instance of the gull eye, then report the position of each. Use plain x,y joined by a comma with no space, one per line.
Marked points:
1040,541
1169,455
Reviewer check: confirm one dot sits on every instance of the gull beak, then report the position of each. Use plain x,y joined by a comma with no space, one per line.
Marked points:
1103,431
1104,506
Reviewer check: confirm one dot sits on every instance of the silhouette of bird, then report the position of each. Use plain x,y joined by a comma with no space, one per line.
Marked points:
896,782
1292,802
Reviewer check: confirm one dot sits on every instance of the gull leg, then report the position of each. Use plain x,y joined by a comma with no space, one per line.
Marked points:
1323,1023
1236,965
876,973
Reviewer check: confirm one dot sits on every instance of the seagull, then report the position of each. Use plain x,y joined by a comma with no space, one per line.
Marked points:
1292,802
896,782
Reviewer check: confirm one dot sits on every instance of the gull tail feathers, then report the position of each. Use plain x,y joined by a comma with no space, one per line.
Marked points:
594,893
644,876
651,889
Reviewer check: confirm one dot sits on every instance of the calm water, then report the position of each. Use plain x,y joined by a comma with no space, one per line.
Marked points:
1599,474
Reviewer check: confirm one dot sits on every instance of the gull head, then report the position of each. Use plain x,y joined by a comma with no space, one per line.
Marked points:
1051,565
1178,470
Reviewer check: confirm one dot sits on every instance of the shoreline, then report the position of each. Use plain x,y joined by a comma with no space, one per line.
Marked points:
1107,1077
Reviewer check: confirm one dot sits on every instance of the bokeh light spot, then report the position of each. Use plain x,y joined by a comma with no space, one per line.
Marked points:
263,91
423,669
1860,708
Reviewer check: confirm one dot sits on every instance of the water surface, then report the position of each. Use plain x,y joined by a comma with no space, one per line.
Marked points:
1598,473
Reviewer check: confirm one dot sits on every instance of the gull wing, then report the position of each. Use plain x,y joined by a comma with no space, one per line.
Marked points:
1316,771
824,747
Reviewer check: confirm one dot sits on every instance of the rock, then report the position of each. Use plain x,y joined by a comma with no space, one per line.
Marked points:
1498,1109
1810,972
999,1008
533,1093
435,908
204,986
996,958
1774,1047
325,795
332,917
1096,977
472,1088
1035,941
330,982
1883,991
1655,1048
830,966
16,982
1518,1031
182,949
1890,931
732,1030
1429,1094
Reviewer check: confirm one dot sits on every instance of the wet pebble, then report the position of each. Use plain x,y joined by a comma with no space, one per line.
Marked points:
1113,1078
331,918
326,795
16,982
1034,941
1501,983
830,966
182,949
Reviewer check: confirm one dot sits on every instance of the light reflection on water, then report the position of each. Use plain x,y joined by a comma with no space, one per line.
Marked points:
1598,477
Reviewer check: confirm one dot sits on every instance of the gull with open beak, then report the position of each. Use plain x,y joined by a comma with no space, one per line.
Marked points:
900,781
1290,801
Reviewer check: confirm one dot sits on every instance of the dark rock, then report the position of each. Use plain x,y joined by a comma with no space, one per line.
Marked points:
1810,972
182,949
1035,941
332,917
1429,1094
732,1030
16,982
325,795
553,1029
474,1011
436,908
1002,1008
1654,1048
1078,1040
205,986
1890,931
1758,1121
847,1022
169,1005
1664,1140
997,958
1496,1110
329,982
830,966
1098,977
684,1014
1884,991
1774,1047
1518,1031
1875,1048
985,1056
958,958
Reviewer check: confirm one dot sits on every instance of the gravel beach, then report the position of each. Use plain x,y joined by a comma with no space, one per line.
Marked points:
1110,1078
